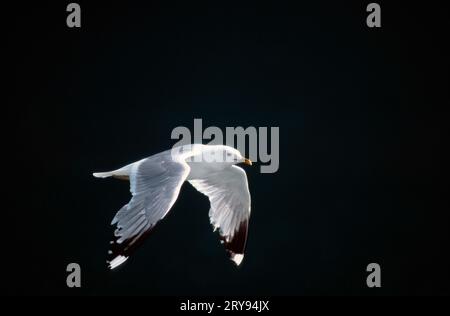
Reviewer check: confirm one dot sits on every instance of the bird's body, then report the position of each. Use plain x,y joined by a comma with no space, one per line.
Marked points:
155,183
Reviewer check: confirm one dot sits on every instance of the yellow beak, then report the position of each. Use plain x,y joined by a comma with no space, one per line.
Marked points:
247,161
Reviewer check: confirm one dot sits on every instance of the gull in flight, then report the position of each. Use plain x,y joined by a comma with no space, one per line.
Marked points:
155,183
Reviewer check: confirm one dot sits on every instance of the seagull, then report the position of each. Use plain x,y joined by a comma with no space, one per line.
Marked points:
155,184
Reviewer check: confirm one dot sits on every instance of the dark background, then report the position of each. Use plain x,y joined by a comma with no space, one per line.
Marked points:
363,117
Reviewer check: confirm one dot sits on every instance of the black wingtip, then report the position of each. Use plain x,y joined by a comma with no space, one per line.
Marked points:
236,246
119,252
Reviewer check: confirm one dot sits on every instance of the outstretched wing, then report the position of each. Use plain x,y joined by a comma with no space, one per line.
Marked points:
155,183
229,197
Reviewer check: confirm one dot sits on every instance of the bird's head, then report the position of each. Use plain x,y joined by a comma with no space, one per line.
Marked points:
234,156
225,155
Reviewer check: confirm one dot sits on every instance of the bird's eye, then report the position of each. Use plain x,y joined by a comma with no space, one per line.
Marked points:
228,154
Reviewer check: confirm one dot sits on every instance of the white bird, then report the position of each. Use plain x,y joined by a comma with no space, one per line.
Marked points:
155,183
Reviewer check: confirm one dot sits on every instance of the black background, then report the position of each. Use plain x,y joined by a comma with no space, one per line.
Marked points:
363,117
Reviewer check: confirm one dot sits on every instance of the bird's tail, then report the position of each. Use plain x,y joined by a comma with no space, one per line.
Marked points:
122,173
103,174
